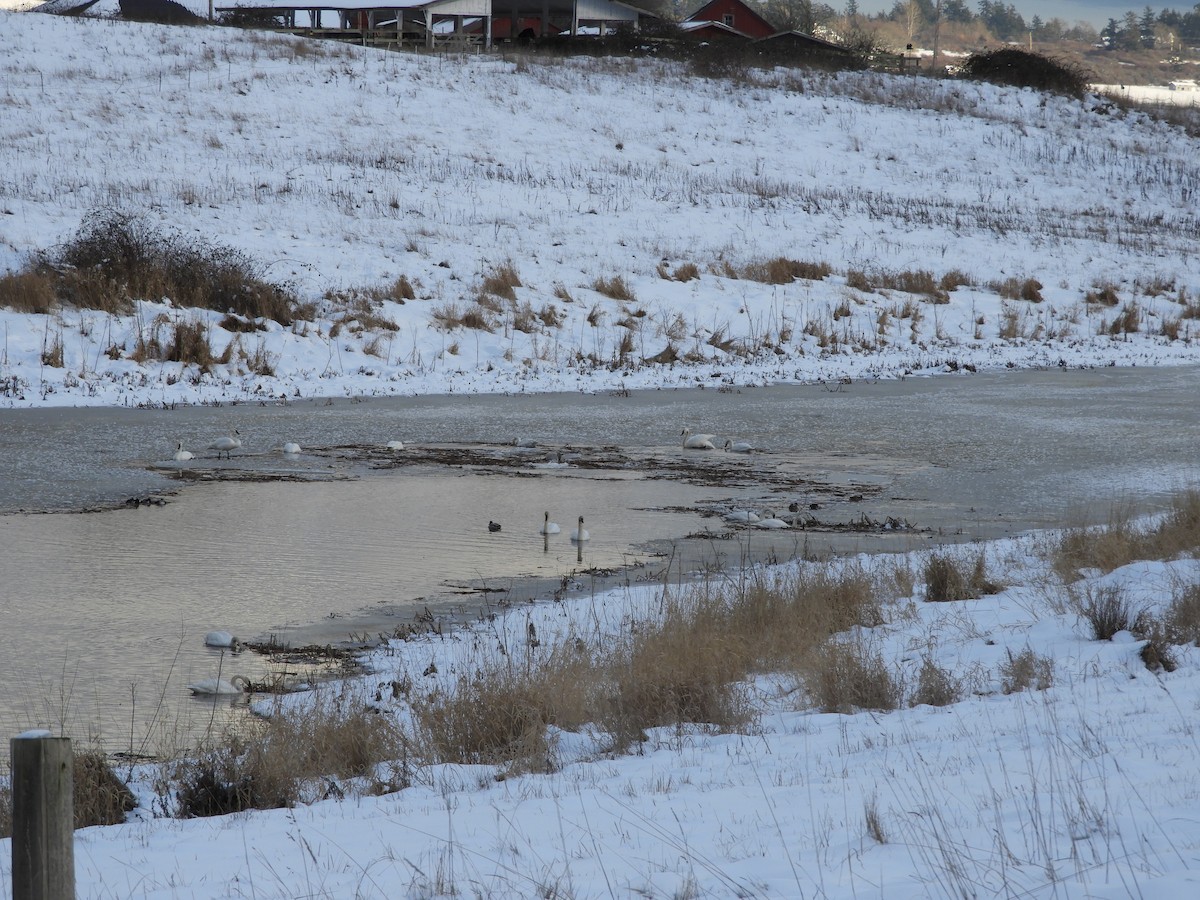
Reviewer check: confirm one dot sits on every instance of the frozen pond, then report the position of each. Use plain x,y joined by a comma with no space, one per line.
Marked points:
104,613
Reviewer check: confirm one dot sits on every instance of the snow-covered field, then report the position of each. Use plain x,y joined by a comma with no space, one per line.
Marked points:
340,169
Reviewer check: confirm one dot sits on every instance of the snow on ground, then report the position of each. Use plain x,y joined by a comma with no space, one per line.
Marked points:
1086,789
338,168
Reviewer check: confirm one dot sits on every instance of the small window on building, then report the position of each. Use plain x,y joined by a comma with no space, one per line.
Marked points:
728,19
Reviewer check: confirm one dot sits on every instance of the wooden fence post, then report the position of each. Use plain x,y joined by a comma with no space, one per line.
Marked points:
43,813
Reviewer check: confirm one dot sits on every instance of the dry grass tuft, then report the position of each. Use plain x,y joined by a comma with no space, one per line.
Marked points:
1026,671
28,292
1028,289
502,282
101,797
948,578
936,686
1119,542
781,270
845,675
189,343
614,288
1108,611
268,765
1182,617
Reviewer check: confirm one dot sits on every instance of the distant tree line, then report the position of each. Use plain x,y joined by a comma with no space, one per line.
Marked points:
1165,29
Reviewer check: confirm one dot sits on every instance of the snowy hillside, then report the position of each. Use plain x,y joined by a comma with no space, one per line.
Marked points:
639,207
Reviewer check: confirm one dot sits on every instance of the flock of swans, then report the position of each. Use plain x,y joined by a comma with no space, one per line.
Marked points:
226,444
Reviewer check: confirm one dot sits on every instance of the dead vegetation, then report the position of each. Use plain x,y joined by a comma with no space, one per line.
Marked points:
1121,541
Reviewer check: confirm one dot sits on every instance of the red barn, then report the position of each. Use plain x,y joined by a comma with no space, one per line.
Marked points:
732,14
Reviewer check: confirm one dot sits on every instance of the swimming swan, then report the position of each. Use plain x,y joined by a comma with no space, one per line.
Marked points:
227,444
220,639
182,455
395,445
580,534
738,447
291,448
549,527
697,441
219,687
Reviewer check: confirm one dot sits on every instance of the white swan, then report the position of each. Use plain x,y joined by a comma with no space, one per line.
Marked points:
218,687
395,445
524,443
291,448
549,527
219,639
771,522
744,516
182,455
226,444
697,441
738,447
580,534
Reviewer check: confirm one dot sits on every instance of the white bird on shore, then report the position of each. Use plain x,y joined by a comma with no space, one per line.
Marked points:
742,516
291,448
738,447
227,444
549,527
580,534
697,441
182,455
219,687
395,445
771,522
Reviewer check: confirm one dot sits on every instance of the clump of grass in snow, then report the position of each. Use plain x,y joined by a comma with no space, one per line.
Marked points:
1120,542
100,797
781,270
845,675
280,761
614,288
1108,611
1026,671
935,686
502,282
949,578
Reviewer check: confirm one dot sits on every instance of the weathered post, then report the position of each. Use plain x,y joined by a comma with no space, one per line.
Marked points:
43,812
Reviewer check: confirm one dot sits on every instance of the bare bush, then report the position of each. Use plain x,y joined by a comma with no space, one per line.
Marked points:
502,281
1182,617
847,675
100,796
1119,542
1026,671
936,686
948,578
1108,611
614,288
781,270
28,292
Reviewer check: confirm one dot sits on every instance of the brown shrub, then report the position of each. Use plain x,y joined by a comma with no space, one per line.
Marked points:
1029,289
28,291
1108,611
847,675
189,343
502,281
1026,671
614,288
782,270
1103,294
1182,618
936,686
101,797
948,578
1119,543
